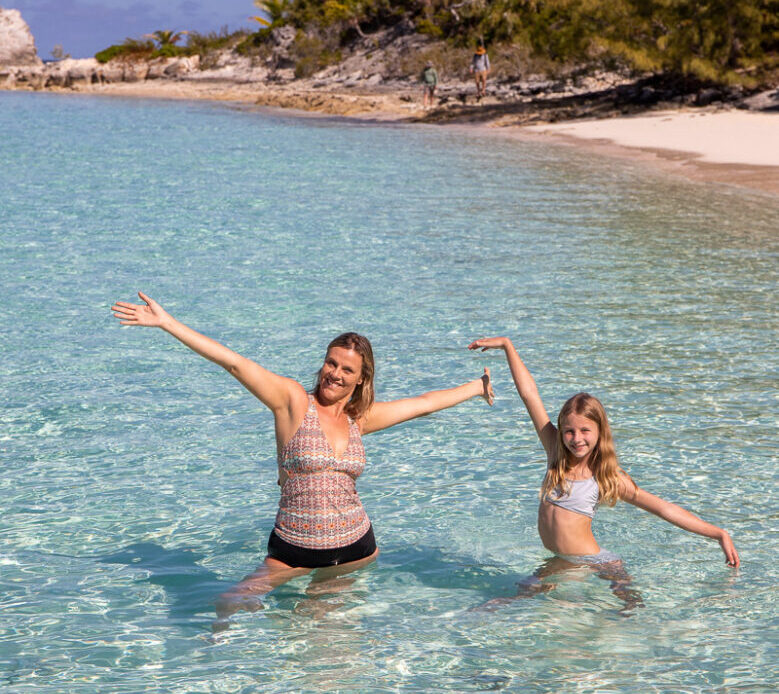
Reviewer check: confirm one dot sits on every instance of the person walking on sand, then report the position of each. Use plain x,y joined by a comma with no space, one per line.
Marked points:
582,472
480,68
321,525
429,80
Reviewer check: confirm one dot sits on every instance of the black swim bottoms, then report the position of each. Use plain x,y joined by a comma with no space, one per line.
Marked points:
304,558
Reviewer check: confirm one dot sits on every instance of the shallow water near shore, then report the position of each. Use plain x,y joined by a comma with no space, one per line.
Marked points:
139,481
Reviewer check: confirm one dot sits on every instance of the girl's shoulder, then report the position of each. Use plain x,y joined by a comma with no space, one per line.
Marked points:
627,488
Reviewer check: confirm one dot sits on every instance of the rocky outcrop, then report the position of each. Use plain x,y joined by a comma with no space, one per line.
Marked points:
228,66
762,101
81,73
17,45
70,72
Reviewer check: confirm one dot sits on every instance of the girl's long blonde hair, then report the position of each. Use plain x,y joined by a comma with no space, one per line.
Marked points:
603,461
363,395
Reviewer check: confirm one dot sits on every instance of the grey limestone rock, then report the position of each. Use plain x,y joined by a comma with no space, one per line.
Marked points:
283,37
22,76
284,75
71,72
183,66
161,68
762,101
135,71
111,72
227,66
17,45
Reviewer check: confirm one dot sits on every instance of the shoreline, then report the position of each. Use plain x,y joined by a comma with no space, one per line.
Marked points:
724,146
707,145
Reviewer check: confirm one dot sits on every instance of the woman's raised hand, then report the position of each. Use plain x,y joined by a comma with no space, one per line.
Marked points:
488,393
486,343
151,316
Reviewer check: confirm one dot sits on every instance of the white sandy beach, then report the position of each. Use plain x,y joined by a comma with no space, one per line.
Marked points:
723,146
720,137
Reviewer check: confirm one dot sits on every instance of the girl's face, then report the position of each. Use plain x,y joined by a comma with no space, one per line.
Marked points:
341,374
580,436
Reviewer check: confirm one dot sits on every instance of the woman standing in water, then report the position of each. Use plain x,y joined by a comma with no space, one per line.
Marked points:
321,525
583,472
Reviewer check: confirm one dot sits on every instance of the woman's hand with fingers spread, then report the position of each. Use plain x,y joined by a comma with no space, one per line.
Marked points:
152,315
486,343
488,393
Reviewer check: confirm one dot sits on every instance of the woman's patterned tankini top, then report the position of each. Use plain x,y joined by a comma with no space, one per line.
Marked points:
319,507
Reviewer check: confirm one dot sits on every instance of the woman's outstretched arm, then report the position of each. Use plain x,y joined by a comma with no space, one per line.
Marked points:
273,390
382,415
678,516
526,387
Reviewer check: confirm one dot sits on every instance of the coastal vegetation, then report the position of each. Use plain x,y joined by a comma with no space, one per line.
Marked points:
729,42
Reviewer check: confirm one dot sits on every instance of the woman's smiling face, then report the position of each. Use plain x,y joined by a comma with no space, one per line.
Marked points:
341,373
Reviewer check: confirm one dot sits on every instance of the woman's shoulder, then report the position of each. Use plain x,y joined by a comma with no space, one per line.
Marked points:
300,398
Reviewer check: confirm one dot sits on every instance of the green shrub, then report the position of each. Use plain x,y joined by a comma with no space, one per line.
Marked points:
250,43
168,50
109,53
131,49
203,44
312,54
425,26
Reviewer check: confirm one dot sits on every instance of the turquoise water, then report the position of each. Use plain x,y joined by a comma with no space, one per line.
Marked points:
139,480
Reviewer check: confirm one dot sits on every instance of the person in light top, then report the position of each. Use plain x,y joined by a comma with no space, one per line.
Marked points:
480,69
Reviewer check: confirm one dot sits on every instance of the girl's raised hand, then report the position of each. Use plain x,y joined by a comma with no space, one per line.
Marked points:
486,343
151,316
729,549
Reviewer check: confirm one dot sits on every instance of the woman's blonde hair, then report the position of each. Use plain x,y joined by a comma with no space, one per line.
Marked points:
603,461
363,395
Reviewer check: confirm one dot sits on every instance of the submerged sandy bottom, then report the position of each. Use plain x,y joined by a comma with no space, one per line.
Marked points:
140,480
725,146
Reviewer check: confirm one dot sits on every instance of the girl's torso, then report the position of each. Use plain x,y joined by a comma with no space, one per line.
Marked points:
565,519
319,506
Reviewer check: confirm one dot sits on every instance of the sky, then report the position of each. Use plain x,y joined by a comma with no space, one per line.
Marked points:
84,27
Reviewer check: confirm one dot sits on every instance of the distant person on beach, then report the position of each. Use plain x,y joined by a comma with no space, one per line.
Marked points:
480,68
429,80
582,472
321,525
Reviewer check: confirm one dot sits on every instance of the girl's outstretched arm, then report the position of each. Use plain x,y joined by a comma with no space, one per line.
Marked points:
526,387
678,516
382,415
274,391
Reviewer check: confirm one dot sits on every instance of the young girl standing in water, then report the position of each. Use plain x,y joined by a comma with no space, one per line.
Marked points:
582,472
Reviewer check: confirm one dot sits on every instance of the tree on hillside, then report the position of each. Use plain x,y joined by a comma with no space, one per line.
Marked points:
166,37
58,52
277,10
700,37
